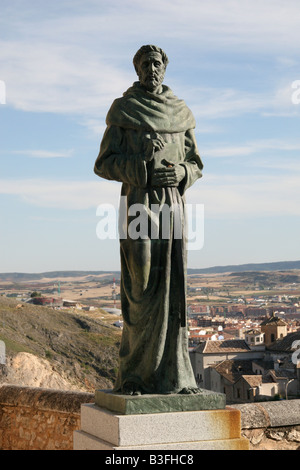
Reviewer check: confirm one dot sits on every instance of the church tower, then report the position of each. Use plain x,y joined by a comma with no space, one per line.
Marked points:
273,328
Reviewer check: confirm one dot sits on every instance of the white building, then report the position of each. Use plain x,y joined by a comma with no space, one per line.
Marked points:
212,352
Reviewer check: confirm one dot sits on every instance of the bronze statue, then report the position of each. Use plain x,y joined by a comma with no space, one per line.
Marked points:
149,146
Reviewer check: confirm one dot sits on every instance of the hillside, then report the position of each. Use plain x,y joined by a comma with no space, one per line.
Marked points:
276,266
64,348
23,277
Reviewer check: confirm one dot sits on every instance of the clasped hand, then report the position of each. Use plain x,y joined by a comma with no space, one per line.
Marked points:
169,176
172,174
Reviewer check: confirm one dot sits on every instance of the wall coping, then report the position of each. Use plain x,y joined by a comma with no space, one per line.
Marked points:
44,399
253,415
269,414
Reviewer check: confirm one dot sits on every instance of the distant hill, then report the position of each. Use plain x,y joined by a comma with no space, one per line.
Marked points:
276,266
19,277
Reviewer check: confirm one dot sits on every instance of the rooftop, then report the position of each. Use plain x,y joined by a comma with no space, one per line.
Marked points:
227,346
273,321
253,380
232,370
285,344
282,374
253,332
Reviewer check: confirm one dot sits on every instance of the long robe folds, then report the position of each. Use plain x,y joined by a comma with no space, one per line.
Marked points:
154,347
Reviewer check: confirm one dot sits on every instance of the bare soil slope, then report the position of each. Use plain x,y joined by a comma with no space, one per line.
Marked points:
57,348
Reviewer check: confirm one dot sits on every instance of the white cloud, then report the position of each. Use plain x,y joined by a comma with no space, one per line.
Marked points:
269,23
43,153
251,148
77,60
220,103
247,196
58,78
96,126
260,25
224,151
283,164
222,195
71,195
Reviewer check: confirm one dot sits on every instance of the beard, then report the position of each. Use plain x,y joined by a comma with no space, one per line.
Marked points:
152,81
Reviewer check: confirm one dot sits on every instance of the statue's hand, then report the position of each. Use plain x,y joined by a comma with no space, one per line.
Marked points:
169,176
152,143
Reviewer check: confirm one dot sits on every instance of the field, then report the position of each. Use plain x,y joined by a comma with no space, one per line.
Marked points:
103,289
96,290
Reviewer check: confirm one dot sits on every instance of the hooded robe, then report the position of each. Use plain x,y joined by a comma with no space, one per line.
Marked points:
154,346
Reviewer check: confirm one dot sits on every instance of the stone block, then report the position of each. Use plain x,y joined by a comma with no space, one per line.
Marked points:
102,429
129,430
84,441
146,404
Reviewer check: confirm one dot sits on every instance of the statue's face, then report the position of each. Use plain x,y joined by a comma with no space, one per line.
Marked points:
151,71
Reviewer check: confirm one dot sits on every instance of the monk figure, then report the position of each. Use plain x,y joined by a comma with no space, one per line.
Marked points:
149,146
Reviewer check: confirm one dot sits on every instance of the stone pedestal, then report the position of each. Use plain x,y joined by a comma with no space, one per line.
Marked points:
159,422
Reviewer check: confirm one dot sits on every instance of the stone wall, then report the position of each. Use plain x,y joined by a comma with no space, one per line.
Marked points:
272,425
39,419
44,419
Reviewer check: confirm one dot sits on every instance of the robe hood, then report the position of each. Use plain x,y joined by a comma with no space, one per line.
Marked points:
141,109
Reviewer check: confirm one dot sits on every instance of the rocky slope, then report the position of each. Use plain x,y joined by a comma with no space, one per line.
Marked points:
57,348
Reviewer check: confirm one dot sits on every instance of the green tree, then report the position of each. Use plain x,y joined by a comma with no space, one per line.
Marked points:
35,294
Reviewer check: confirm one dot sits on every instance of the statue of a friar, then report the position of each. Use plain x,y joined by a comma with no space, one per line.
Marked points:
149,146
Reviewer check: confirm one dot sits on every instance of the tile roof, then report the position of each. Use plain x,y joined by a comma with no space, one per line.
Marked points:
253,332
285,344
253,380
273,321
264,363
282,374
224,346
233,369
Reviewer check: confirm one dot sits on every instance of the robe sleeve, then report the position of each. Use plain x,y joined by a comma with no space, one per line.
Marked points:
192,163
114,163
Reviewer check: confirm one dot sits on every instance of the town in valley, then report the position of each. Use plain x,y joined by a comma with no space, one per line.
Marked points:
244,326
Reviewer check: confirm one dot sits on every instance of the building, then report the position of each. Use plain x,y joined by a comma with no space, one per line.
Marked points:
273,328
70,303
247,388
247,370
49,301
286,349
255,339
225,374
285,353
198,309
210,353
252,380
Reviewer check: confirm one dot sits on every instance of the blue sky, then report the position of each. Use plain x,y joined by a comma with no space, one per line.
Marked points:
63,63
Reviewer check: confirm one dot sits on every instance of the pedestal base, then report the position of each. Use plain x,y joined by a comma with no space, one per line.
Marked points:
206,429
83,441
148,404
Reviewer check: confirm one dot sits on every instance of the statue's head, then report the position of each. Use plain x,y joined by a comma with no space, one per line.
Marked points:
150,63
